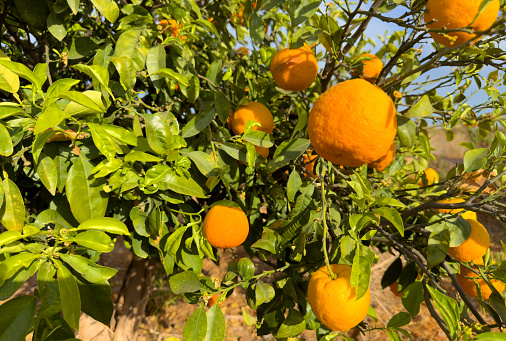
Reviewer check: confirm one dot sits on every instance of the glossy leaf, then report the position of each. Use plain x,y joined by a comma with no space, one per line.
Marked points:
184,282
50,118
287,152
108,8
215,324
12,212
106,224
6,147
16,317
422,108
69,296
103,141
392,216
196,326
94,240
47,172
292,326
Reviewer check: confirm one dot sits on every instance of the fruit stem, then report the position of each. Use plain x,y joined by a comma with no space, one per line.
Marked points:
321,175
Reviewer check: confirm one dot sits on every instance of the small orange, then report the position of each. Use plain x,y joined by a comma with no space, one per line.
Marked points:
309,163
371,69
385,160
294,69
172,26
212,300
254,111
469,286
225,227
449,210
334,300
475,246
243,51
431,176
454,14
394,288
353,123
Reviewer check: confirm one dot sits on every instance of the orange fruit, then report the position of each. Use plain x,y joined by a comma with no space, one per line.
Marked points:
225,227
212,300
309,162
254,111
334,300
243,51
469,286
475,246
384,161
262,151
371,69
454,14
294,69
449,210
353,123
431,175
172,26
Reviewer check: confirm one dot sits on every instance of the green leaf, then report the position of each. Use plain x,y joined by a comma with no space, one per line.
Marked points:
155,61
69,296
22,71
12,212
184,282
205,163
95,240
11,285
106,224
133,44
9,81
222,106
120,133
86,199
82,99
99,75
108,8
91,271
158,133
96,300
47,172
49,292
399,320
438,245
12,265
360,273
195,328
103,141
412,298
392,216
246,269
490,336
407,131
286,152
50,118
182,185
449,310
56,26
192,90
199,122
74,5
293,185
387,201
460,230
256,29
302,10
422,108
392,273
475,159
141,156
126,71
259,138
51,217
16,318
9,237
264,293
215,324
6,147
292,326
172,75
207,25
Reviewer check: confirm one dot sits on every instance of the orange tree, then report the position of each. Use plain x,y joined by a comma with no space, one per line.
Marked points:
117,119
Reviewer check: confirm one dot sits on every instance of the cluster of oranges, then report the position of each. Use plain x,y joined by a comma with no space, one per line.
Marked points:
351,124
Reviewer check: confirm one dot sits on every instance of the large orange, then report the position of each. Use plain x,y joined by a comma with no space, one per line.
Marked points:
334,300
469,286
353,123
225,227
455,14
475,246
384,161
371,69
294,69
254,111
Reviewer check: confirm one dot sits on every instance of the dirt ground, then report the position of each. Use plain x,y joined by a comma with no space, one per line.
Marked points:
166,314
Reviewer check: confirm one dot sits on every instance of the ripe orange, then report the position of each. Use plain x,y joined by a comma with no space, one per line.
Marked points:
172,26
309,163
254,111
212,300
262,151
475,246
371,69
469,286
385,160
353,123
394,288
431,176
294,69
454,14
449,210
225,227
334,300
243,51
